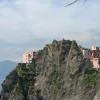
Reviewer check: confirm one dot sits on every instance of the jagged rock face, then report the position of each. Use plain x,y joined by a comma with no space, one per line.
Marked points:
62,74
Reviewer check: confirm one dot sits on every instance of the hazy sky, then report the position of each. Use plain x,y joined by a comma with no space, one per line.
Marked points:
30,24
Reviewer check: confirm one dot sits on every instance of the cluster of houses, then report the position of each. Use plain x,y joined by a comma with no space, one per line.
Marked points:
92,54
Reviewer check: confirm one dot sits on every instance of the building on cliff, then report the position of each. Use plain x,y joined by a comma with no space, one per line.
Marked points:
93,55
28,56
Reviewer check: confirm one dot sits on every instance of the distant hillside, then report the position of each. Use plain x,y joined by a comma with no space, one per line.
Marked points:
5,68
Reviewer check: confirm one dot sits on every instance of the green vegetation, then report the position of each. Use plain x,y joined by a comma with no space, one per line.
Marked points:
26,77
91,77
54,80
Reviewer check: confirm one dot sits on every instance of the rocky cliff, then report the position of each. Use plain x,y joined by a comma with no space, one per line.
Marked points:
58,72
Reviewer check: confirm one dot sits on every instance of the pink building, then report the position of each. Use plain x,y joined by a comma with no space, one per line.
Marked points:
27,57
93,55
96,63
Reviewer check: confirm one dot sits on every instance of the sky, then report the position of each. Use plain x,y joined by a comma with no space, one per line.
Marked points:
30,24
